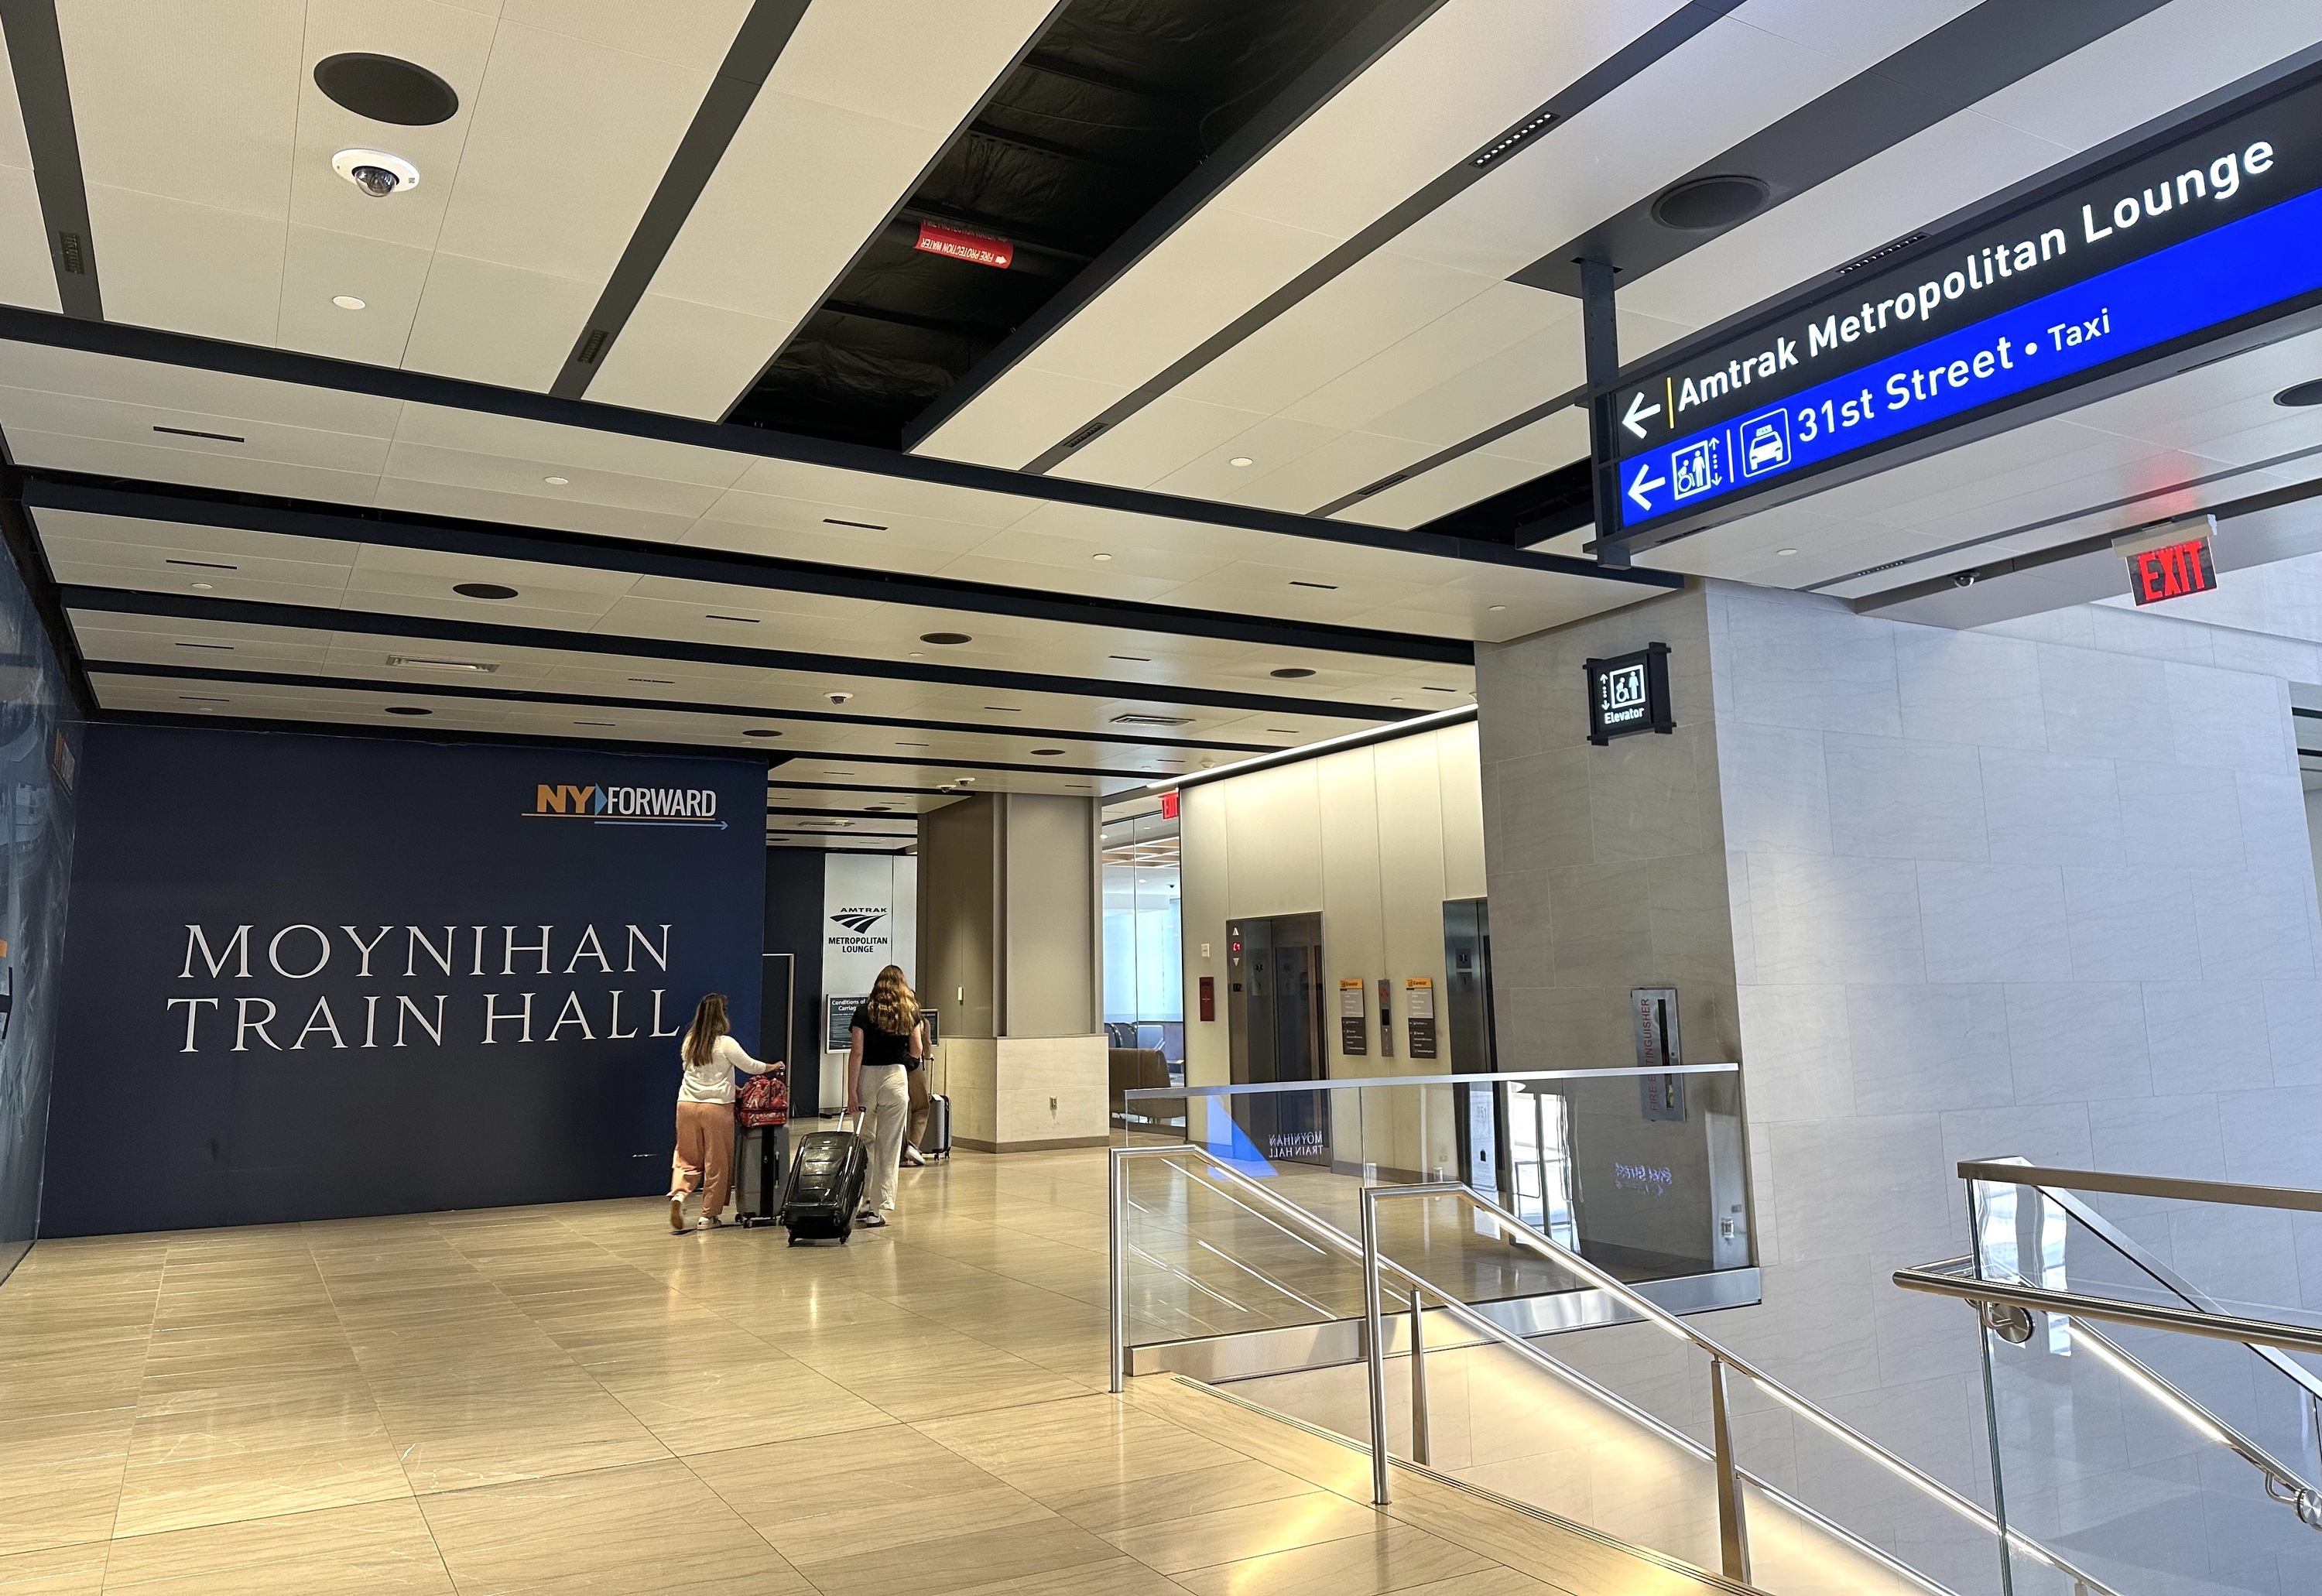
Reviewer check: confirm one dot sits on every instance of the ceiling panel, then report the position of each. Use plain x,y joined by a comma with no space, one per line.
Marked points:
1456,82
860,100
579,111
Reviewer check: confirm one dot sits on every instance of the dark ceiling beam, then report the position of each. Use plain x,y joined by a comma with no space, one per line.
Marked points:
195,721
447,688
757,44
843,787
194,506
21,325
244,612
36,57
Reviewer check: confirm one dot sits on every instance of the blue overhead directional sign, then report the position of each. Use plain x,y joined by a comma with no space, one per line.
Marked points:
2221,229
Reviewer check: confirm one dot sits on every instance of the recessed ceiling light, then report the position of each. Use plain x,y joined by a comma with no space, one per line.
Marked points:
1290,673
838,772
877,808
945,638
1002,709
761,731
1047,752
193,698
1100,556
558,482
1394,700
1784,554
205,587
737,620
415,662
483,590
2302,395
964,781
1282,731
408,710
187,432
1435,689
1241,460
864,526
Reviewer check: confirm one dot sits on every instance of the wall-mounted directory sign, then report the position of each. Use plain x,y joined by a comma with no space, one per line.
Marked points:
2218,231
1419,1013
1354,1038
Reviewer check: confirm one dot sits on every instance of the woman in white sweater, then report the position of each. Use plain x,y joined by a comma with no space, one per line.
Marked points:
705,1113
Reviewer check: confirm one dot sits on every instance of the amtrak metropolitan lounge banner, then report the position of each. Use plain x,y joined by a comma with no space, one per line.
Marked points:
316,977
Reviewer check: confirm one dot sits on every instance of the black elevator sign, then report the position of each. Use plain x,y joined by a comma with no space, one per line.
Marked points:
1629,694
2217,230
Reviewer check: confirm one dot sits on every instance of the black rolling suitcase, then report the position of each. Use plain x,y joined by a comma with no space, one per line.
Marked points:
825,1186
936,1141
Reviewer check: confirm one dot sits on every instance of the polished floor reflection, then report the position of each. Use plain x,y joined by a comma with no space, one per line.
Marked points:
569,1398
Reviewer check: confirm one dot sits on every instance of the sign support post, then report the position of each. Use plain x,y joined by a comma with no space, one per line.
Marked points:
1600,337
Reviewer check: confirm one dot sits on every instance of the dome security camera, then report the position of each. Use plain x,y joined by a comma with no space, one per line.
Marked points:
376,172
1966,578
838,699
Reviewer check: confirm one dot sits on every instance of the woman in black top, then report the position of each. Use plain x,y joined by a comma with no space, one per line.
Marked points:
887,1042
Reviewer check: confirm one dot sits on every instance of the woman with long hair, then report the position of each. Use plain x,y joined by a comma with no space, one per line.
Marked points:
887,1042
705,1113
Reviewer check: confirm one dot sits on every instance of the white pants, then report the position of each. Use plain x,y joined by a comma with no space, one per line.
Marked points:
886,1106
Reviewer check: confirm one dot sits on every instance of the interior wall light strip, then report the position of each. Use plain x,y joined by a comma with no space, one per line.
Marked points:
1412,727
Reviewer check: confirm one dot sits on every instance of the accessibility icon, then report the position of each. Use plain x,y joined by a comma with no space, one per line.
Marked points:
1694,468
1765,443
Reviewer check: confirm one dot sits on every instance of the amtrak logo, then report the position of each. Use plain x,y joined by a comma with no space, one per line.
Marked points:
859,922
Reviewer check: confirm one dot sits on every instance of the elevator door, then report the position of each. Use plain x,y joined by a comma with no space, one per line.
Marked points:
1482,1111
1274,1010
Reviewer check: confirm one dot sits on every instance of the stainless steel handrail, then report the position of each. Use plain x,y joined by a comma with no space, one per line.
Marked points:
1374,1264
1956,1277
2176,1284
1364,1082
1733,1532
2006,1172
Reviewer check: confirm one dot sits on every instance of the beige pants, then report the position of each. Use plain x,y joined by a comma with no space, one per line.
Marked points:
705,1144
886,1104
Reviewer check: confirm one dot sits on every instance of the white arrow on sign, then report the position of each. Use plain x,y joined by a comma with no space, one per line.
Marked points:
1643,484
1638,411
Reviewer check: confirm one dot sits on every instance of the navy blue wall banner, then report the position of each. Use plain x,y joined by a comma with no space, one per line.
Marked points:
40,759
316,977
2218,231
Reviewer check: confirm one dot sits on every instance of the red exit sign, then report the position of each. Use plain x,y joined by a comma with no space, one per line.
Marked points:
2171,571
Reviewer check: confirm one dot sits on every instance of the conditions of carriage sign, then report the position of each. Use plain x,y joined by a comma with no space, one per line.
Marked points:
2220,230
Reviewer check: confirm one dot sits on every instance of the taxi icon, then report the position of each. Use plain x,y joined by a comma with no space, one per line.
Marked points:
1765,443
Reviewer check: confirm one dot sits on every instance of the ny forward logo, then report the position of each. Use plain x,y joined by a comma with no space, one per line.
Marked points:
859,922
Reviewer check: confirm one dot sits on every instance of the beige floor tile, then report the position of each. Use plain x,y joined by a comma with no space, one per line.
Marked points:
223,1482
1124,1576
1229,1534
60,1476
1006,1557
1390,1557
380,1546
1155,1500
738,1405
622,1531
57,1571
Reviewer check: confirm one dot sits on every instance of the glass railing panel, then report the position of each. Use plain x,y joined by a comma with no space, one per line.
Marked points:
1810,1480
1199,1262
2100,1460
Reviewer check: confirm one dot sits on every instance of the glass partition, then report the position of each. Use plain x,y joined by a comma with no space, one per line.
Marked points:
1642,1173
1144,981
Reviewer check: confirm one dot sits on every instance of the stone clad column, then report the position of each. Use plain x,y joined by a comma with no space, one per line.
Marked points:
1010,954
